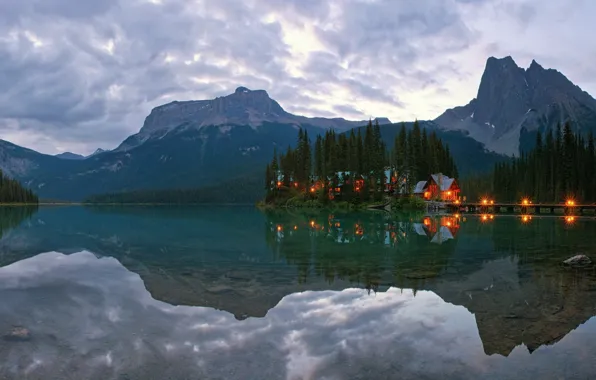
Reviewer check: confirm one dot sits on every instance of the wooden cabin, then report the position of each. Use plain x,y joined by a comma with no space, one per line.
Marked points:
438,187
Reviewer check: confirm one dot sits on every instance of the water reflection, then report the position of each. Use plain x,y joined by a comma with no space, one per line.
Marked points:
91,318
502,269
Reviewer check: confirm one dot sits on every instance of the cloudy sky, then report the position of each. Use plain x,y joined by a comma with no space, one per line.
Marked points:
81,74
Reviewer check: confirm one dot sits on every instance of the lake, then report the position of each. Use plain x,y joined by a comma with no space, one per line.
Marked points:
235,293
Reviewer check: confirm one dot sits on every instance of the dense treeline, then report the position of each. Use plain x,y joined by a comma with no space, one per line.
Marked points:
11,191
359,154
241,190
561,165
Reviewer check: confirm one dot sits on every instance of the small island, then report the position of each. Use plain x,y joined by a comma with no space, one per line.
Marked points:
356,170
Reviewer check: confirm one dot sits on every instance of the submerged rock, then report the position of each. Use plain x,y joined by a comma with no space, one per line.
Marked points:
18,333
578,261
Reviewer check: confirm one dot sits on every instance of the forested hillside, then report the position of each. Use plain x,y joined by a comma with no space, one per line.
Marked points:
11,191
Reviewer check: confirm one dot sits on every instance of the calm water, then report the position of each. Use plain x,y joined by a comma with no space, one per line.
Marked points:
232,293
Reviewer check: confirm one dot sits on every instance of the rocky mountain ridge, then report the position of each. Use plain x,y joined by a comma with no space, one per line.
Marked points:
243,107
513,101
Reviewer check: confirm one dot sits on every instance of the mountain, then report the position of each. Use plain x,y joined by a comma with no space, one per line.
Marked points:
243,107
97,151
214,144
70,156
513,103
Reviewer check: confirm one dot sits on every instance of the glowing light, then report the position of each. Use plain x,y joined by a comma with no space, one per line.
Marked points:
295,228
484,217
492,202
296,184
312,223
449,193
448,224
279,228
485,201
278,183
570,219
570,202
426,194
426,222
457,201
312,189
457,216
525,202
526,218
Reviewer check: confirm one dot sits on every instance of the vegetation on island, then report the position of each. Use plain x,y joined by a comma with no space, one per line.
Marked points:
11,191
560,166
355,169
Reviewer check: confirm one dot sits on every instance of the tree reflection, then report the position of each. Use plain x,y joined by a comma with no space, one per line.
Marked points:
372,250
12,216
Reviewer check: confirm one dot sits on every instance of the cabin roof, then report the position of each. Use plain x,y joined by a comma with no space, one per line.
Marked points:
442,235
443,181
419,188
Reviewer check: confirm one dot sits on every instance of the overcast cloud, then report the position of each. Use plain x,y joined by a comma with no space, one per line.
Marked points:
77,75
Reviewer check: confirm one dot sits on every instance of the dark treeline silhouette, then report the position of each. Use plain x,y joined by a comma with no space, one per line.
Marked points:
361,154
561,165
241,190
11,191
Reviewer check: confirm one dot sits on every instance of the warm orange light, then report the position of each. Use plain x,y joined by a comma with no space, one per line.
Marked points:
296,184
278,183
279,228
448,224
312,189
570,219
492,217
457,201
312,223
485,201
492,202
449,193
484,217
525,202
570,202
457,216
426,194
295,228
526,218
426,221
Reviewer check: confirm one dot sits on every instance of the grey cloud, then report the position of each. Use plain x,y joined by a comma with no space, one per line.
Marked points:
67,87
349,111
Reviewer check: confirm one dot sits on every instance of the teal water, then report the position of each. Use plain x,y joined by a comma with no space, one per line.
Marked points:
234,293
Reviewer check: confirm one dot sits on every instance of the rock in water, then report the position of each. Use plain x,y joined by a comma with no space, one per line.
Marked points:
18,333
578,261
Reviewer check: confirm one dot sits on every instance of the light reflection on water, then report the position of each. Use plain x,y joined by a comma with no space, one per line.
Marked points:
294,294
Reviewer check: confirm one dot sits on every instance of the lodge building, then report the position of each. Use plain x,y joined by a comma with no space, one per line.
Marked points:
438,187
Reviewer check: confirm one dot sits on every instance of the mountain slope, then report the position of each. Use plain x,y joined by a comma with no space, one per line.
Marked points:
513,101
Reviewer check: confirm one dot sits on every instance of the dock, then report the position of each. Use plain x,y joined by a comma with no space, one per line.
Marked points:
525,207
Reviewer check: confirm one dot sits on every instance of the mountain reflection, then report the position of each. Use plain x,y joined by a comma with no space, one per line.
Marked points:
505,270
91,318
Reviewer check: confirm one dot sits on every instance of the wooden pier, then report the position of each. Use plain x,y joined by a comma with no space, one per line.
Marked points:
491,207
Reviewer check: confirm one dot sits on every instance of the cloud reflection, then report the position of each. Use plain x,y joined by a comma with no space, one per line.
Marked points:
92,318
